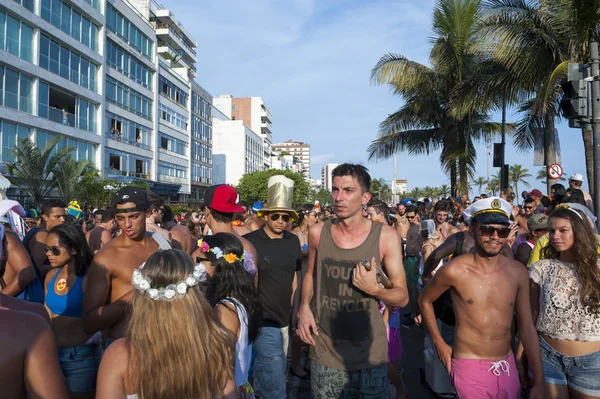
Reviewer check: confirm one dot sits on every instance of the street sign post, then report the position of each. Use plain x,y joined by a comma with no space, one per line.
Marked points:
555,171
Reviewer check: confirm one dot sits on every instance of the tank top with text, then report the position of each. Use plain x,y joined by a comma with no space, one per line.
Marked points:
352,335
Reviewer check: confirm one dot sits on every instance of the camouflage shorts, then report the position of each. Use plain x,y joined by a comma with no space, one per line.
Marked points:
330,383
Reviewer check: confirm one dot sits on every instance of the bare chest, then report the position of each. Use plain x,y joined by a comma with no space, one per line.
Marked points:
487,292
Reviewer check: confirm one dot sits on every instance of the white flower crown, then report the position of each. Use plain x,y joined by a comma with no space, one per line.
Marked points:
172,291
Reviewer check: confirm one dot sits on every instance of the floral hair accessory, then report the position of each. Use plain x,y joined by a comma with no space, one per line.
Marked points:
249,264
172,291
217,251
204,247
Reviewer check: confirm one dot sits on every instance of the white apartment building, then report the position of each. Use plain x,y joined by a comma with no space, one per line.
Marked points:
299,150
236,149
326,179
255,115
113,78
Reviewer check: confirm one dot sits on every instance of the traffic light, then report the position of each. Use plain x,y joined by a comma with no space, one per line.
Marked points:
504,177
574,103
498,155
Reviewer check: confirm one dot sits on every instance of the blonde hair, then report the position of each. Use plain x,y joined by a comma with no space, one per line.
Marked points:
177,349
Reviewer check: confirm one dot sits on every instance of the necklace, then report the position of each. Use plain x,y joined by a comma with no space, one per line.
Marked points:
62,284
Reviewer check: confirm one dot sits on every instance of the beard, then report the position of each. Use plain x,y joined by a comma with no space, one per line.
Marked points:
485,250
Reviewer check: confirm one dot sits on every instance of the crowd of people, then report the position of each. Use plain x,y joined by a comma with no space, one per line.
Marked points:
134,301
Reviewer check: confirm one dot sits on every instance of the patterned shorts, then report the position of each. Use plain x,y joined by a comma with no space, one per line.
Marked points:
330,383
245,391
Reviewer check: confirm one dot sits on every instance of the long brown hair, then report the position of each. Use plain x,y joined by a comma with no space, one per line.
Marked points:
586,255
177,349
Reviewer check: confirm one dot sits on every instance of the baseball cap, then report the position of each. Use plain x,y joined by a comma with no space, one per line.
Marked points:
137,195
257,206
536,193
222,198
491,210
537,222
576,177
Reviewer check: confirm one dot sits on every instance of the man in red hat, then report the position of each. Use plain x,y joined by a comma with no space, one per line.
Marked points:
537,196
220,203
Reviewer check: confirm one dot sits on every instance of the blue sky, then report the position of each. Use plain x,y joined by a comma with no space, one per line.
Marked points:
311,62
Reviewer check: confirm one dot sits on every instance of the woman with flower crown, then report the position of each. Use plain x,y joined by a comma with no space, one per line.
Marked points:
175,347
235,298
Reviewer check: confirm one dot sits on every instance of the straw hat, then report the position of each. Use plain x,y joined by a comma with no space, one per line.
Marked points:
280,193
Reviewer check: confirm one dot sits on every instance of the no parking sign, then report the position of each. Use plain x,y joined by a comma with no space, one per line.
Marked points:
555,171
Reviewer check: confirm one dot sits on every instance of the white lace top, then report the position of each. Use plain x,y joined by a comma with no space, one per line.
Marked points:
562,313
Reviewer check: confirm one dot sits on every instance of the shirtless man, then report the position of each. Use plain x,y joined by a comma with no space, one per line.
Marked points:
53,214
103,232
486,289
350,351
254,222
414,240
219,207
181,236
109,291
440,217
402,222
157,210
28,358
18,271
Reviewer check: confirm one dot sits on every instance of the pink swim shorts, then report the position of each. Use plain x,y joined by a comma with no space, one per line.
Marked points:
486,379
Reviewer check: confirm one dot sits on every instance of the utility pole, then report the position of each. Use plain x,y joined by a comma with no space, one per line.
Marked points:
504,168
595,99
394,188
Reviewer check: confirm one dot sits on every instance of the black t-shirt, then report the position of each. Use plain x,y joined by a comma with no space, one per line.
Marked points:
278,260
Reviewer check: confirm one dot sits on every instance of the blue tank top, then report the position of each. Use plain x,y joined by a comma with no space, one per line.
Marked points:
71,304
304,247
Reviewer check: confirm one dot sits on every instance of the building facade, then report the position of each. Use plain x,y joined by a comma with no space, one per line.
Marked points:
326,179
237,150
298,150
114,80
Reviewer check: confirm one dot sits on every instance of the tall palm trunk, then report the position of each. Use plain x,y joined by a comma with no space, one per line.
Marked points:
588,148
549,147
453,170
463,184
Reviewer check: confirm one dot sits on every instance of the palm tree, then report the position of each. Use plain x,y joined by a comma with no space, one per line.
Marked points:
480,182
68,175
517,174
444,190
543,173
494,184
32,169
424,123
536,41
379,188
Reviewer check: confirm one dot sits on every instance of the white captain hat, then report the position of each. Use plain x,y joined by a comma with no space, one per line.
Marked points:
491,210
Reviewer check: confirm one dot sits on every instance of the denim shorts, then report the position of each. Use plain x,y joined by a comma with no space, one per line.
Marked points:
269,364
80,365
580,373
329,383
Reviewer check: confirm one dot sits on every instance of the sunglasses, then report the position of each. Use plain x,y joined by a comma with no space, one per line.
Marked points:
467,203
275,217
527,207
488,231
55,250
410,217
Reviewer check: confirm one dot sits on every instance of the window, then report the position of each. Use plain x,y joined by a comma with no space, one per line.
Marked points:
164,143
174,93
173,117
116,22
125,63
128,99
124,130
70,21
72,66
11,88
43,92
115,162
232,107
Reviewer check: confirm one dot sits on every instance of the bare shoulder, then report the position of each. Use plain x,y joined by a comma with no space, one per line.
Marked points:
16,304
116,356
388,233
314,233
516,268
108,253
458,267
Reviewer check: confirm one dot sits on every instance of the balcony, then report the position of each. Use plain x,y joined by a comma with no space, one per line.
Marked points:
171,179
124,175
169,35
66,118
119,138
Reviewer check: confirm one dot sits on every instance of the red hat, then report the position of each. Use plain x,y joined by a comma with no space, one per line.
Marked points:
536,193
222,198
